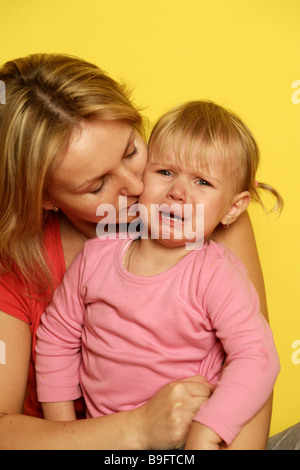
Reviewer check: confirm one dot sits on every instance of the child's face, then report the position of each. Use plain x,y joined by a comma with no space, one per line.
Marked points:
183,186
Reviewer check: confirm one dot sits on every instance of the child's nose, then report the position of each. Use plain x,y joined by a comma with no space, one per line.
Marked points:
177,192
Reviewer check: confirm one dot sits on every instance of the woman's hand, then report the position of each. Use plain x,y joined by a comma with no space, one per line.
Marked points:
165,419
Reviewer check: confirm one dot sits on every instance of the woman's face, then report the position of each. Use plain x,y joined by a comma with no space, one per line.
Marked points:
104,160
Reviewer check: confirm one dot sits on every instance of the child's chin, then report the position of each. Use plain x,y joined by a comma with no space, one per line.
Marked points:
173,243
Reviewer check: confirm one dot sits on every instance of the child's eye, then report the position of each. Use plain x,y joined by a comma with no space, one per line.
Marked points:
203,182
165,172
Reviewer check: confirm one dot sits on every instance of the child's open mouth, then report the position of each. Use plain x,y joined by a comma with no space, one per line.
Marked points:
171,216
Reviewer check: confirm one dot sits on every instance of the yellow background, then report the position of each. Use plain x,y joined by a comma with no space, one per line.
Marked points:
242,54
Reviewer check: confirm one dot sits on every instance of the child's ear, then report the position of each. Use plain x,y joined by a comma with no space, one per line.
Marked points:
239,204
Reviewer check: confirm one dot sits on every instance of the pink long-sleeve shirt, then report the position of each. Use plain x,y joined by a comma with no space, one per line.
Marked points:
117,338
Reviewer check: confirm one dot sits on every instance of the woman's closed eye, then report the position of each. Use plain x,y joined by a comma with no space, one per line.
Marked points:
99,189
132,153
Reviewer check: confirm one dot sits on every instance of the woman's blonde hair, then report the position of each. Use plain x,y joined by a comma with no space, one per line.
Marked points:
46,96
211,132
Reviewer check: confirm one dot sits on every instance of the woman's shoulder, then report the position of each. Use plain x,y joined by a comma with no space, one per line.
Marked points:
15,297
22,298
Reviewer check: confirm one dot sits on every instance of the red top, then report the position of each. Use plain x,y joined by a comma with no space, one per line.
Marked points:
21,301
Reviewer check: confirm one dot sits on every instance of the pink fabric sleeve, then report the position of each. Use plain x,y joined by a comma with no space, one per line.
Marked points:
58,350
252,362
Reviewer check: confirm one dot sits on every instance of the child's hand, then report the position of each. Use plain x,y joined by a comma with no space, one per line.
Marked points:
201,437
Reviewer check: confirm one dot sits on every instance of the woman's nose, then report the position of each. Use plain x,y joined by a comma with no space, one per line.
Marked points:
131,184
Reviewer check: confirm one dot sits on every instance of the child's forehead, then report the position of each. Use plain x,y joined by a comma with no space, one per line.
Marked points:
199,149
187,155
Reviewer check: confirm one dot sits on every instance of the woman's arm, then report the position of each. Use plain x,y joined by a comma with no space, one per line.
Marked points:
162,422
239,237
16,337
255,434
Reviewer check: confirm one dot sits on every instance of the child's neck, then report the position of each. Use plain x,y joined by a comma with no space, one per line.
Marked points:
147,257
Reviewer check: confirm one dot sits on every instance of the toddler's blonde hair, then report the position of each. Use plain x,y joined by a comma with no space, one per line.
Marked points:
214,134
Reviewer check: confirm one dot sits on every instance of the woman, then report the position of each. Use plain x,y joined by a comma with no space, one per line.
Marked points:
70,140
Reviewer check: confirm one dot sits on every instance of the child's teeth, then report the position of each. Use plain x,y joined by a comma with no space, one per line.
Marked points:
171,216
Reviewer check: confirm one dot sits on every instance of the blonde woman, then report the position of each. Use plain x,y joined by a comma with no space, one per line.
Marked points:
70,140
